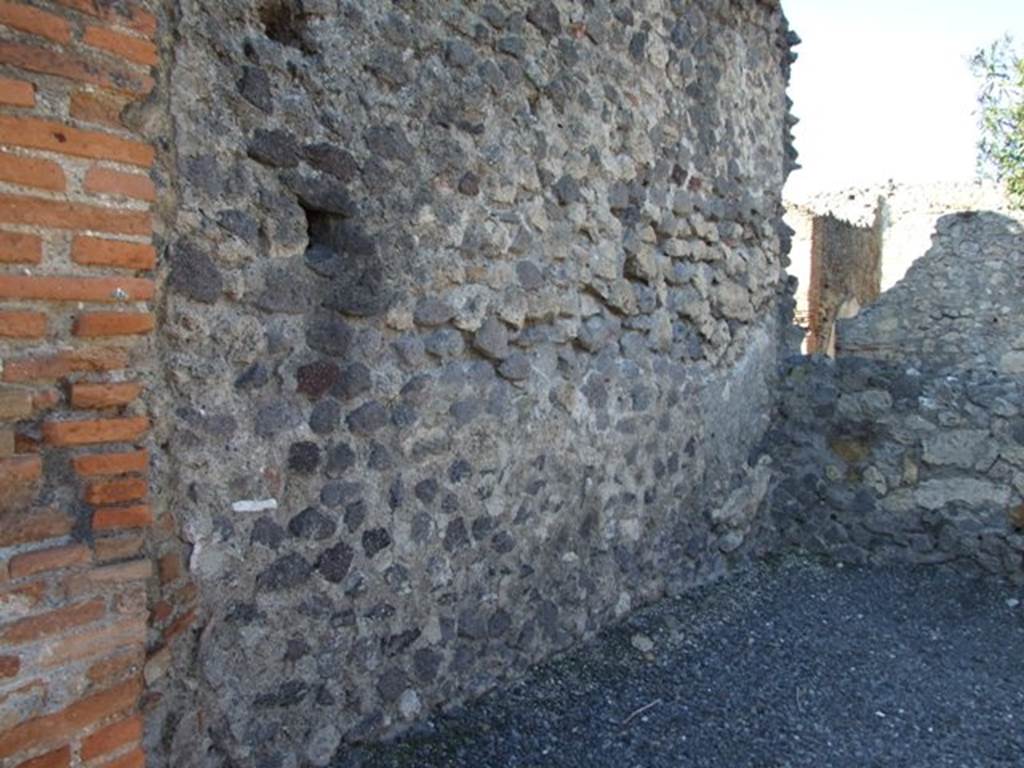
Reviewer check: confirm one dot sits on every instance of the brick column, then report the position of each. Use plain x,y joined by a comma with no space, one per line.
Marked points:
77,530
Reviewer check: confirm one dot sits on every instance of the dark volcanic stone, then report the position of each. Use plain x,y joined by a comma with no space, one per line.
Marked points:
303,457
253,377
328,333
426,663
355,515
193,274
268,533
354,380
380,458
455,535
426,490
375,540
286,572
392,683
315,379
283,292
367,418
432,312
460,470
320,193
288,694
240,224
492,339
390,143
469,184
335,562
544,16
458,54
333,160
313,524
275,417
254,86
340,459
530,276
567,190
326,417
278,149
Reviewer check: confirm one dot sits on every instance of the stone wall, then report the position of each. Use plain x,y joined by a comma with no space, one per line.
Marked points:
887,463
846,272
960,305
471,328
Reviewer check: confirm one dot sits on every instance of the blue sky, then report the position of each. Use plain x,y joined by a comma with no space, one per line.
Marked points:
883,90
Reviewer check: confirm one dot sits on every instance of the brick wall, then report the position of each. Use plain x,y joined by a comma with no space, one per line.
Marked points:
845,275
91,578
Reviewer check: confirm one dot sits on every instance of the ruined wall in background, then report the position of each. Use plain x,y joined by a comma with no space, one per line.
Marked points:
886,463
911,212
471,329
846,272
960,305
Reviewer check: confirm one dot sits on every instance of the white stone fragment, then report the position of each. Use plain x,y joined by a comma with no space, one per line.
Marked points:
254,505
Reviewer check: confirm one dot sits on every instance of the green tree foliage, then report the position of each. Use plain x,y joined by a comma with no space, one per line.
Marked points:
1000,70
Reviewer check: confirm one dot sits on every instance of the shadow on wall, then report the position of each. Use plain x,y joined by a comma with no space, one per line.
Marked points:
960,305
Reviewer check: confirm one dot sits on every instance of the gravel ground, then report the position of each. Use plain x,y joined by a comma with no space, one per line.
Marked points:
795,663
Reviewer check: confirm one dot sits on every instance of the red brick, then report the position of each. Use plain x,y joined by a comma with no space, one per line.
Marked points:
161,610
37,526
100,640
46,560
52,136
133,49
19,479
73,288
117,491
104,181
109,670
112,738
60,364
24,18
60,726
119,548
57,214
31,172
53,623
106,324
9,666
132,17
22,325
104,395
16,248
169,567
59,758
99,464
99,107
96,251
178,626
109,575
134,759
46,399
17,93
15,403
119,518
124,430
23,599
72,66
